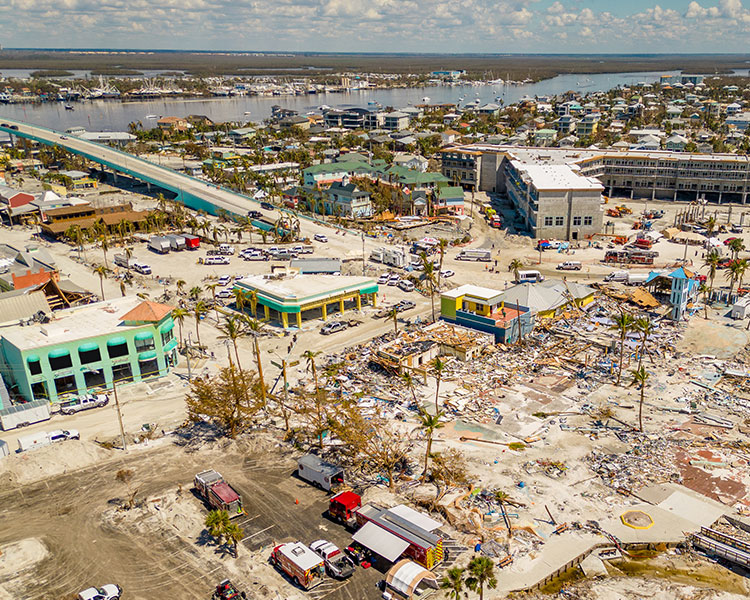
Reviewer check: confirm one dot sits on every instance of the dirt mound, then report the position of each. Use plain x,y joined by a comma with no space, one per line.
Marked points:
34,465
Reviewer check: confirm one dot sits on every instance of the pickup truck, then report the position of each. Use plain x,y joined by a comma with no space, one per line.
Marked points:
85,402
337,564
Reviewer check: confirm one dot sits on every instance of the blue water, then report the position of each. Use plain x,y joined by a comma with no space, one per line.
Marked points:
114,115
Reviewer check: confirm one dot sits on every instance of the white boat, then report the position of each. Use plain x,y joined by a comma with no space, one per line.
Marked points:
152,117
247,112
425,100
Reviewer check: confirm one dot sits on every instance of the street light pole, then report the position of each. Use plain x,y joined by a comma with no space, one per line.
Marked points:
364,264
187,354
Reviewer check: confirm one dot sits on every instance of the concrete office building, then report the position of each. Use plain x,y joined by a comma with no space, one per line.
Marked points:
83,348
635,173
555,201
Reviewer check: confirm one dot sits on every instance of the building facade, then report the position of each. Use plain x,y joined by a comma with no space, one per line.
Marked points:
86,348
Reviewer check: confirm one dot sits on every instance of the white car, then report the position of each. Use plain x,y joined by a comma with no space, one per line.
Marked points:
60,435
225,293
109,591
383,279
319,237
393,281
446,273
224,279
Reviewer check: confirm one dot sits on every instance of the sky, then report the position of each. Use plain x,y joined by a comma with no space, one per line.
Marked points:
452,26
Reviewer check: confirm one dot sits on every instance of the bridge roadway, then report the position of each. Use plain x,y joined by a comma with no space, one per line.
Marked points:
192,192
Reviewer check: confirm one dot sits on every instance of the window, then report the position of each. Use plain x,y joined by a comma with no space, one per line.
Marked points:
559,221
35,367
39,390
117,350
122,373
576,220
588,220
548,221
144,345
167,337
149,368
89,356
60,362
65,385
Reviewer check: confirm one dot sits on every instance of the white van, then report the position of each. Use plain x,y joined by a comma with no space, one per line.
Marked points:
406,286
569,265
214,260
621,276
529,277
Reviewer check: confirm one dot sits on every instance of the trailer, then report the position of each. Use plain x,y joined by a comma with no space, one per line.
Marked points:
478,255
159,244
4,449
218,493
398,531
121,260
192,242
33,440
176,242
320,473
21,415
300,563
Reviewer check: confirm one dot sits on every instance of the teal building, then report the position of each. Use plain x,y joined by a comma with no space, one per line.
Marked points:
83,349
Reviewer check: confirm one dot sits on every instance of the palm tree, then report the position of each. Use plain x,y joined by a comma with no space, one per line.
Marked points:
732,275
212,288
198,312
75,234
736,246
429,424
216,522
179,314
101,270
393,314
645,327
233,534
180,283
252,297
622,322
232,329
703,289
710,226
741,268
640,377
453,582
254,327
502,498
438,366
712,263
481,572
105,246
515,267
195,292
409,382
240,297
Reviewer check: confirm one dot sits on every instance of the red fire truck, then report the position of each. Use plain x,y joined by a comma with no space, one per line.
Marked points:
301,564
218,493
342,507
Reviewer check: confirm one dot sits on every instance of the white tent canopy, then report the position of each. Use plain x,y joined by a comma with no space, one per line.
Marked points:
380,541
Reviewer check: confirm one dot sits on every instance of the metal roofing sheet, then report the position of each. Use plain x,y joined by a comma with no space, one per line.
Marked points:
380,541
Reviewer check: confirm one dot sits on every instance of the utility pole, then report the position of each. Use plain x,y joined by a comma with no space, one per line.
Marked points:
119,412
364,264
187,354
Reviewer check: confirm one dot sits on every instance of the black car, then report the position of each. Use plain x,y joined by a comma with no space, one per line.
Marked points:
266,206
254,214
14,127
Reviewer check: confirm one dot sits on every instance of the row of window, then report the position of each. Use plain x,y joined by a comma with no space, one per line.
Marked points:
560,221
65,361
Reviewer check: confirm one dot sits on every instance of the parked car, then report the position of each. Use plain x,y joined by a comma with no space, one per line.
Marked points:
266,206
60,435
319,237
394,280
225,293
332,327
383,279
406,286
84,402
224,279
445,273
254,214
109,591
337,564
405,305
